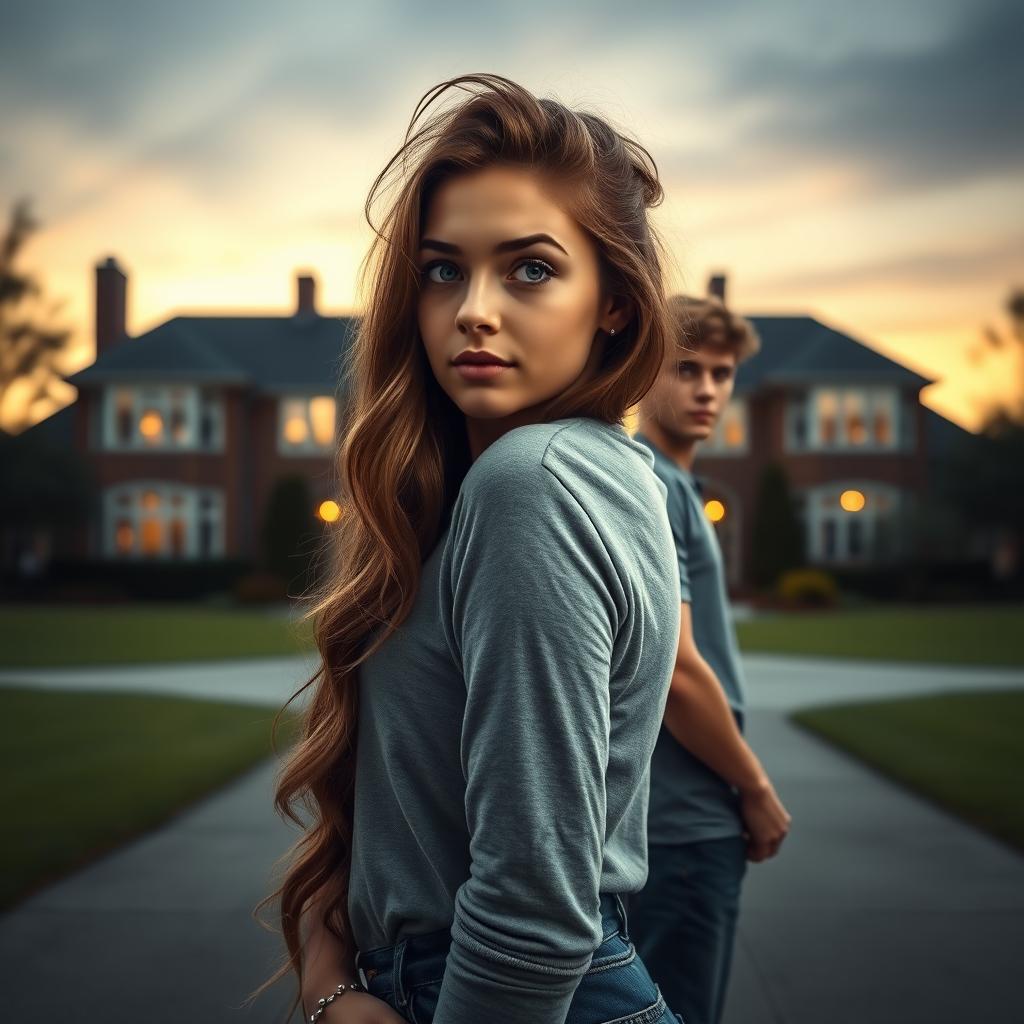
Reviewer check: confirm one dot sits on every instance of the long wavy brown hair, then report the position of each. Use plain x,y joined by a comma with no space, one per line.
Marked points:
403,448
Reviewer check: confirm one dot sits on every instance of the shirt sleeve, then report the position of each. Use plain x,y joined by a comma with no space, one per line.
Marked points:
679,520
530,607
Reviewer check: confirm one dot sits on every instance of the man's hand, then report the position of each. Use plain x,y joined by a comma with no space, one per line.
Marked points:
766,821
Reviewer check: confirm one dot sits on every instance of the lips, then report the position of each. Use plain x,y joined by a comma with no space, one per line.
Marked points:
480,359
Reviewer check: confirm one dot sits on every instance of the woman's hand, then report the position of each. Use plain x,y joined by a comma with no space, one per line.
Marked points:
353,1008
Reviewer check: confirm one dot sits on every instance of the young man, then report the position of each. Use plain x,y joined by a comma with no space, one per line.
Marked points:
712,805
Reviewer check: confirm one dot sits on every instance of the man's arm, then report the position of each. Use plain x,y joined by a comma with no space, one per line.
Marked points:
699,717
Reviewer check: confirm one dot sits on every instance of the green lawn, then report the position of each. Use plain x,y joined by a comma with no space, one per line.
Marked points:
977,635
963,751
82,772
120,634
53,636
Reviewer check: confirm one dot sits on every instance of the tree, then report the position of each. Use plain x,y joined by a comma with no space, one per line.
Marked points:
986,484
778,538
41,484
985,476
289,533
30,345
995,344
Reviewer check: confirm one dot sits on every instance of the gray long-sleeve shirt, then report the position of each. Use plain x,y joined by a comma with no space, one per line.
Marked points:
506,729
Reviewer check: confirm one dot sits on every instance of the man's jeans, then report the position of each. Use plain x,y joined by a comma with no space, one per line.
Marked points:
684,922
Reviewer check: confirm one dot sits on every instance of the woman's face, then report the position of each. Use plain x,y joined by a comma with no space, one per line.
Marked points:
507,274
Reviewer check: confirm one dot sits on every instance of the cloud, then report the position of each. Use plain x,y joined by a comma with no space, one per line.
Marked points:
956,267
942,113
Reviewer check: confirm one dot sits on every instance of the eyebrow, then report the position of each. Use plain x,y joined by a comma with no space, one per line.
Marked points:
510,246
714,366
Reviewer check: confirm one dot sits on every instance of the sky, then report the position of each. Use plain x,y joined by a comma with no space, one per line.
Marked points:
862,163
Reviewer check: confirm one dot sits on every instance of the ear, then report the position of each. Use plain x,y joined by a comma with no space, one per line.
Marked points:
616,313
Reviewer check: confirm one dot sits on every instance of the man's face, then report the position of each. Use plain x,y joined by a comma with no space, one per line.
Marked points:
692,391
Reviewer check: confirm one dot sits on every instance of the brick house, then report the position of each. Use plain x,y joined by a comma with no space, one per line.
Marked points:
188,426
848,428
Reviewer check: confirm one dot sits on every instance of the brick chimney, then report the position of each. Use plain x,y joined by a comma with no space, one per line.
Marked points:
306,305
111,305
716,286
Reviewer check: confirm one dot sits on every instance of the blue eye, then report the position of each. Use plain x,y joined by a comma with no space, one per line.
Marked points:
539,272
444,267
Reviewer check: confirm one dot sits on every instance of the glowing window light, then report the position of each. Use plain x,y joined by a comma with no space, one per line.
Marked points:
321,415
295,430
151,425
152,536
124,537
852,501
714,510
329,511
733,433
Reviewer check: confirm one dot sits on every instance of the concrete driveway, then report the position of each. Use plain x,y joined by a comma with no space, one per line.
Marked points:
880,908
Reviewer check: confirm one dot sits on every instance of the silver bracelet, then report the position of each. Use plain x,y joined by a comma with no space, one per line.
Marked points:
322,1004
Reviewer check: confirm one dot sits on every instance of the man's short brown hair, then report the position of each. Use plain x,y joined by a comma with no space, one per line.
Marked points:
707,321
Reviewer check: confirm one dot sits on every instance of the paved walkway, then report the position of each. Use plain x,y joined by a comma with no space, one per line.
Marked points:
882,908
777,682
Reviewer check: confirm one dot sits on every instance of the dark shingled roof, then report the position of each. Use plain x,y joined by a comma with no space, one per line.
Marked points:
943,437
55,431
268,353
800,349
277,353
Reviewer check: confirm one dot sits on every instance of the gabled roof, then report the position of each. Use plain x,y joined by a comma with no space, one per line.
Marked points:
943,437
278,353
802,350
54,431
267,353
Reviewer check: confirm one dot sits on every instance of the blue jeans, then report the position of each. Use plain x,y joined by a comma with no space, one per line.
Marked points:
684,922
616,987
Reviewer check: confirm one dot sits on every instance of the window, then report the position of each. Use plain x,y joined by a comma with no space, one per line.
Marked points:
827,418
844,419
730,434
159,519
306,424
163,418
856,522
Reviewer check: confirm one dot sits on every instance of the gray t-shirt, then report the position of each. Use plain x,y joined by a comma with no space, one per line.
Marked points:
690,802
506,728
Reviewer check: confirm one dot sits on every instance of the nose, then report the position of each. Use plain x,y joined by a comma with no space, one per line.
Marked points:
705,387
479,310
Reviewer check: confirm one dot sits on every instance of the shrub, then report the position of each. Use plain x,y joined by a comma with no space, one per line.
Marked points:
808,588
261,588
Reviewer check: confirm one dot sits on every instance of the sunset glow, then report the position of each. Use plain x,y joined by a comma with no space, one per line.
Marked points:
809,158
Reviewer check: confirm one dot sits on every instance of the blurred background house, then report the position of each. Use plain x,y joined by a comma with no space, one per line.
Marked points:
208,443
826,455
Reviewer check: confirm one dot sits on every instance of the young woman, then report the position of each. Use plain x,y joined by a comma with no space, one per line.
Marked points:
501,621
